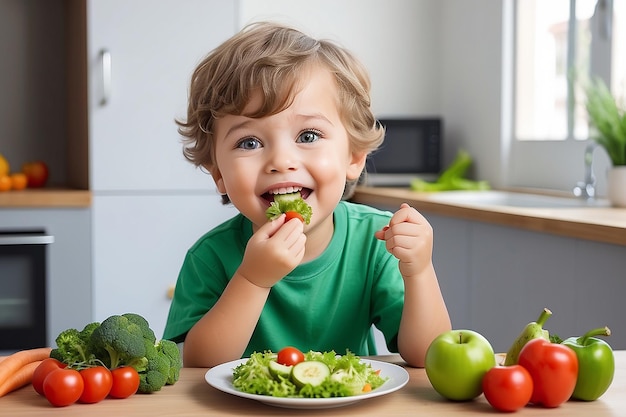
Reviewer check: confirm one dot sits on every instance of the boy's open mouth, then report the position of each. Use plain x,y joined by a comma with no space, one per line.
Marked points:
304,193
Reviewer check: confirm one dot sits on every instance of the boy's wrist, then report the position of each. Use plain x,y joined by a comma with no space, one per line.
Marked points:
427,272
254,279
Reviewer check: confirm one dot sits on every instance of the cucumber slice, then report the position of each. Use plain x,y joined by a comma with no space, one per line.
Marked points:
279,371
287,198
309,372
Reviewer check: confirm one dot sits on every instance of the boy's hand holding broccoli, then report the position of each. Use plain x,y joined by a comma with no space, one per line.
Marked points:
278,246
272,252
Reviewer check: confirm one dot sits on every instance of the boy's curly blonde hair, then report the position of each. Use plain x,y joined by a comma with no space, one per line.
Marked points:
269,57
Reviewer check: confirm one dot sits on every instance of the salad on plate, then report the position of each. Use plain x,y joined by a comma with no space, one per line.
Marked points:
293,374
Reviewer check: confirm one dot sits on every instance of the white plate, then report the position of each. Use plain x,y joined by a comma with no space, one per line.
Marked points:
221,377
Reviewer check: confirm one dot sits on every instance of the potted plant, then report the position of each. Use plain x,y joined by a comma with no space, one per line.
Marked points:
608,129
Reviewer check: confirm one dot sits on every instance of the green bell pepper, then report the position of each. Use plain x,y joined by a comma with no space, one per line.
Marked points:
596,364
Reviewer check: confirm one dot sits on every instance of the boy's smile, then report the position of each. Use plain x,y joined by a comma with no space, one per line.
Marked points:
303,148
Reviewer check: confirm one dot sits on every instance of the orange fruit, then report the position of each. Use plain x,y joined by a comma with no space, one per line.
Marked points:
5,183
4,166
18,181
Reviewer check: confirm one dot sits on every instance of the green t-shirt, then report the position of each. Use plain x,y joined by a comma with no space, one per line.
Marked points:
326,304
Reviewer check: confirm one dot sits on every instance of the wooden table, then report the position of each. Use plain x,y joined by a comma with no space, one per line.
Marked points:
192,396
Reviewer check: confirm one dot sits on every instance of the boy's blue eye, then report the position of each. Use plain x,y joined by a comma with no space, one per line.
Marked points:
308,136
249,143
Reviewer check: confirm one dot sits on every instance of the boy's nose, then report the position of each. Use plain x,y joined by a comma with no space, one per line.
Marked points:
283,159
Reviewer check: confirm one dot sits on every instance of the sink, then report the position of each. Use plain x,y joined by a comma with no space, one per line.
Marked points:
513,199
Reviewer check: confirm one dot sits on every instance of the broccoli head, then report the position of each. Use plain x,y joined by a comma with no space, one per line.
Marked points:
73,347
85,334
118,341
162,367
155,374
140,321
170,350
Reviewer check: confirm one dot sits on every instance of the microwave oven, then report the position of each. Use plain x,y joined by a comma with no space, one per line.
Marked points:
412,149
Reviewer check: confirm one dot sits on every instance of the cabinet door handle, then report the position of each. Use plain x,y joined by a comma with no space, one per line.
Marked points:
26,240
105,61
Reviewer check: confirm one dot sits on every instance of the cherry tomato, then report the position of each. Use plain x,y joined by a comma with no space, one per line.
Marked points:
125,382
63,387
290,356
43,369
293,215
98,382
507,388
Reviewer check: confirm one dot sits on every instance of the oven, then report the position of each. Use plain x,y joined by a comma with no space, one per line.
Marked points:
23,279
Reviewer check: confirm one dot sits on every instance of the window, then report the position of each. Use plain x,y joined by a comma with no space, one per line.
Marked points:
559,44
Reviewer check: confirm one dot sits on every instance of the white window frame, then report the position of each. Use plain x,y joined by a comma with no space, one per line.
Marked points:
552,164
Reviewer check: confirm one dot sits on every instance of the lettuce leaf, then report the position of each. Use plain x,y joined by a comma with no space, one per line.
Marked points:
289,202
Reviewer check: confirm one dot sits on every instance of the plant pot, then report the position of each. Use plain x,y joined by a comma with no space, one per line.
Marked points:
616,184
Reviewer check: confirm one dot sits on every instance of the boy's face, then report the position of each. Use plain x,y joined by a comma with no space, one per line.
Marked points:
305,147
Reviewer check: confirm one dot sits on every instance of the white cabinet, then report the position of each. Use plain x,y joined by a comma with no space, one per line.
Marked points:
139,246
149,203
154,47
496,279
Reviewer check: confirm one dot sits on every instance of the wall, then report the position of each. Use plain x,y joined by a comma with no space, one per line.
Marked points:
397,40
471,86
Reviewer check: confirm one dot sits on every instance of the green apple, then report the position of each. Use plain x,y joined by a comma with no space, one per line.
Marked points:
456,362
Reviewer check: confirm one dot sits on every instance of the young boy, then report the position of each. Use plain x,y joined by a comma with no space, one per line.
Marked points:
273,111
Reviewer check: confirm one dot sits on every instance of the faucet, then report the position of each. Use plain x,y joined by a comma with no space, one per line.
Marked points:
587,189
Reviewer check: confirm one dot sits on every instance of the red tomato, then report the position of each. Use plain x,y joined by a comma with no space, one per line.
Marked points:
293,215
98,382
63,387
507,388
554,370
125,382
290,356
41,372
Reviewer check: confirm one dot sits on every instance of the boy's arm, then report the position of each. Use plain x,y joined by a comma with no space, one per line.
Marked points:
409,237
224,332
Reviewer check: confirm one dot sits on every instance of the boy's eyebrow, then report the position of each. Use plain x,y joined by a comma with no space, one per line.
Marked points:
317,116
237,126
314,116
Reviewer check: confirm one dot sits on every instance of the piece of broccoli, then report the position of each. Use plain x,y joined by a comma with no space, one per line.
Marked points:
118,341
163,364
140,321
85,334
154,376
74,347
170,350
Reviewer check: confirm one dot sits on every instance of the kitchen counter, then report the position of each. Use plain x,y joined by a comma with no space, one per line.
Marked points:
192,396
601,224
45,198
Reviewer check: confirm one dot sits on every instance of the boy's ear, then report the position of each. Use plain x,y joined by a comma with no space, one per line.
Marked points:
356,165
219,181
